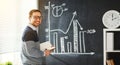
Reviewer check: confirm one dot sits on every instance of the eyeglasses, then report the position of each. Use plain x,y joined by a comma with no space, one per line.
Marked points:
37,17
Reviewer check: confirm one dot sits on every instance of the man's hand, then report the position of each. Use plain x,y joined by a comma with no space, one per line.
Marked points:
47,52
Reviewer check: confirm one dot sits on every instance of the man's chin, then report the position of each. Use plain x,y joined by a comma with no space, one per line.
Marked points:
37,25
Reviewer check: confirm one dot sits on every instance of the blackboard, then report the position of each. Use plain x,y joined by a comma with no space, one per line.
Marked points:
75,28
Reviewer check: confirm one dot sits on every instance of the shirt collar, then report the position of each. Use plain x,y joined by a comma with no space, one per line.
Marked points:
33,27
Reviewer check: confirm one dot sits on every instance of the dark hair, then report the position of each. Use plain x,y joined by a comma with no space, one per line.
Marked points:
34,10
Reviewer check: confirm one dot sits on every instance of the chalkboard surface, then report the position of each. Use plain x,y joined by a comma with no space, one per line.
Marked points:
75,28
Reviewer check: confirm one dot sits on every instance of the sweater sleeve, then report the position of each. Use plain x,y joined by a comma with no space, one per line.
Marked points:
32,49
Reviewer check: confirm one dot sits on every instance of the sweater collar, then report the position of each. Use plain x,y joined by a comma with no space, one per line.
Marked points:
33,27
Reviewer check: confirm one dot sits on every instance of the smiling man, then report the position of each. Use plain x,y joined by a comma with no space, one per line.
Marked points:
31,53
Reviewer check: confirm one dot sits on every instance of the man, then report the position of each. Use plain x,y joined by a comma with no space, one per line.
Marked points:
31,53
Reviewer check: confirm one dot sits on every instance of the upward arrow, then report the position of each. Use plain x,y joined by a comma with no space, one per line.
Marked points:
65,32
74,14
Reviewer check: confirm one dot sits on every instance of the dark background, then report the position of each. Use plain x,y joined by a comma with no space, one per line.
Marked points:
89,15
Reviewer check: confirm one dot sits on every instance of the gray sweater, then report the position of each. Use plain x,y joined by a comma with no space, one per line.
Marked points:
31,53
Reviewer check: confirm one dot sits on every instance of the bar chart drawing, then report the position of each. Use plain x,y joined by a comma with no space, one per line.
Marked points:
63,46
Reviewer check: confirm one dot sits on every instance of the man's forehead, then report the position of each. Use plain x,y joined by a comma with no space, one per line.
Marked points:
36,13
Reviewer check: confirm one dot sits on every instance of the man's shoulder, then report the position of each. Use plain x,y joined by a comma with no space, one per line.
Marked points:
28,29
28,34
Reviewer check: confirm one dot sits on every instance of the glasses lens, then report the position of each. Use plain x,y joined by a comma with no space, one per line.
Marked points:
37,17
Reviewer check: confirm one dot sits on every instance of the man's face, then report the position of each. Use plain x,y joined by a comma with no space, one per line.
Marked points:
36,19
